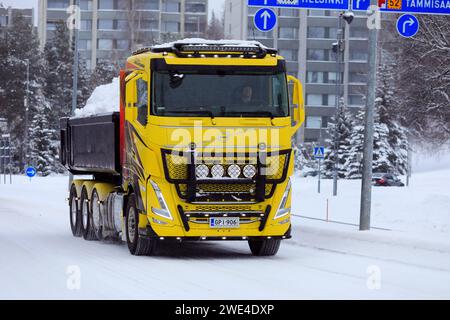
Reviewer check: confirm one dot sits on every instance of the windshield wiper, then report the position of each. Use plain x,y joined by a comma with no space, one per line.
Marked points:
204,112
251,113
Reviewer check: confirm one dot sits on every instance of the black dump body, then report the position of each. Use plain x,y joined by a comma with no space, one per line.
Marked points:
90,145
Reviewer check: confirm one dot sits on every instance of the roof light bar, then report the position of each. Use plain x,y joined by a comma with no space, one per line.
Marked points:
218,48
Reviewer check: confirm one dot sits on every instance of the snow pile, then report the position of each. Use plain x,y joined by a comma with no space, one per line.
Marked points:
104,99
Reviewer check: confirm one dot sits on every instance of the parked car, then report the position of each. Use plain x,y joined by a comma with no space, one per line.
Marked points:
386,180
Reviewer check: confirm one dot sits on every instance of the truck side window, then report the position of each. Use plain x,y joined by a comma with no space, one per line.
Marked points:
142,101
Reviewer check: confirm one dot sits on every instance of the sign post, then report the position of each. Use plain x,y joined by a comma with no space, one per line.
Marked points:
319,153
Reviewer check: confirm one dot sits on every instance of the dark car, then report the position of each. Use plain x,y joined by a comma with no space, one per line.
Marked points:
386,180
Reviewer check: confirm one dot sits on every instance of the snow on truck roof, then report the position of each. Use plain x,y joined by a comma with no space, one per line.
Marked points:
205,42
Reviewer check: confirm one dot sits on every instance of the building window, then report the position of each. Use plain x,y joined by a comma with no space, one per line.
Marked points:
287,33
314,77
3,21
148,25
105,24
355,100
171,26
85,25
195,7
122,44
356,77
51,25
121,24
289,12
331,100
105,44
86,5
85,44
358,32
147,4
58,4
171,6
314,122
289,55
316,32
358,56
316,55
106,4
314,100
318,13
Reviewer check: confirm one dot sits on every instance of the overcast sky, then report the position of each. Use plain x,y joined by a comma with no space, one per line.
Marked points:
215,5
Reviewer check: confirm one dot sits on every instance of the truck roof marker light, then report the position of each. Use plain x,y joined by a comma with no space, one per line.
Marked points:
284,237
225,215
165,53
203,238
161,238
224,238
269,237
244,238
178,238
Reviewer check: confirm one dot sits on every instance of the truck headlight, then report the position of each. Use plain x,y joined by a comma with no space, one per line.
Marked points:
163,211
282,210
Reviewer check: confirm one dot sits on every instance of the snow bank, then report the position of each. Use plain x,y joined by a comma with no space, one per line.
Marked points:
104,99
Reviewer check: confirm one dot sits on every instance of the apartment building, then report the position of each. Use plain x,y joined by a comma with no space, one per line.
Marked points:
7,14
305,38
111,29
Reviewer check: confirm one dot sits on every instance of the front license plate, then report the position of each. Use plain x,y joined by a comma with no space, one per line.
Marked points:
224,222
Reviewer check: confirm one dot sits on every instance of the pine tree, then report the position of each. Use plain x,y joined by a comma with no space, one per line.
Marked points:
215,29
344,130
42,148
356,141
19,48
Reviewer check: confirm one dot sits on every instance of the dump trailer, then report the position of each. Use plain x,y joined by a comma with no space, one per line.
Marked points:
200,150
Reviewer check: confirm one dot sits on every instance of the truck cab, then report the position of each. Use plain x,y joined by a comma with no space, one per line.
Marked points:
205,147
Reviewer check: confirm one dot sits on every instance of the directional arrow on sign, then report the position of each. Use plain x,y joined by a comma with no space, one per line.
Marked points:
409,22
265,15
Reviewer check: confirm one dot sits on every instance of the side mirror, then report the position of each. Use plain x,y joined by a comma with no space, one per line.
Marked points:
298,112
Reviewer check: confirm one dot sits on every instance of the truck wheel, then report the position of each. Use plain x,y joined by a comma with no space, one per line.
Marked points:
137,245
74,213
96,216
86,217
266,247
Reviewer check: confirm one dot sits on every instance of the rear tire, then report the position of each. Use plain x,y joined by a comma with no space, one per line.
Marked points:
74,213
96,215
86,217
137,245
266,247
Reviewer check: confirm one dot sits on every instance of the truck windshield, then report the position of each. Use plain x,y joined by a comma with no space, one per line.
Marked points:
221,94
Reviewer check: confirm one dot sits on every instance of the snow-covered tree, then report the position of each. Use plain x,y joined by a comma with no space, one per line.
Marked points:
353,160
19,48
42,147
344,130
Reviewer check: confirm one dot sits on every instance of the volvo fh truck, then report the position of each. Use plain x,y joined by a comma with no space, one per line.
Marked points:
200,149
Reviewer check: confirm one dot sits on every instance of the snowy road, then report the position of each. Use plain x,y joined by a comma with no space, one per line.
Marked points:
38,256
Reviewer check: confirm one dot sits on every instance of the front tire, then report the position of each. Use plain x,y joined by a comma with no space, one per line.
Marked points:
137,245
265,247
86,217
74,213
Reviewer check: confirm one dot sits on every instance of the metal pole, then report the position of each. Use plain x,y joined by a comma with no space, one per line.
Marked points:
74,74
366,185
408,166
319,172
26,114
338,95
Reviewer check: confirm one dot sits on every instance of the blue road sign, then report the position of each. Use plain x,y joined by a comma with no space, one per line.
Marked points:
265,19
407,25
407,6
31,172
308,4
319,152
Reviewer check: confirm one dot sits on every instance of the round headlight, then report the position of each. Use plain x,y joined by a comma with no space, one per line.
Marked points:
249,171
234,171
202,171
217,171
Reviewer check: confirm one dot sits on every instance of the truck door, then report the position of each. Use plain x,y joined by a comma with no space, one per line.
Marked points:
136,119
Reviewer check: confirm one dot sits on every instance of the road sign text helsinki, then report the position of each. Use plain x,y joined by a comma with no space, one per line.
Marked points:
309,4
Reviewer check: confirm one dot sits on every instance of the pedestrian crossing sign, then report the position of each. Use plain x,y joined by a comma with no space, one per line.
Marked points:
319,152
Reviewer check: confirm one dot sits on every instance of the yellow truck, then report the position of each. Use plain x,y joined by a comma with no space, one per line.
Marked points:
200,150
